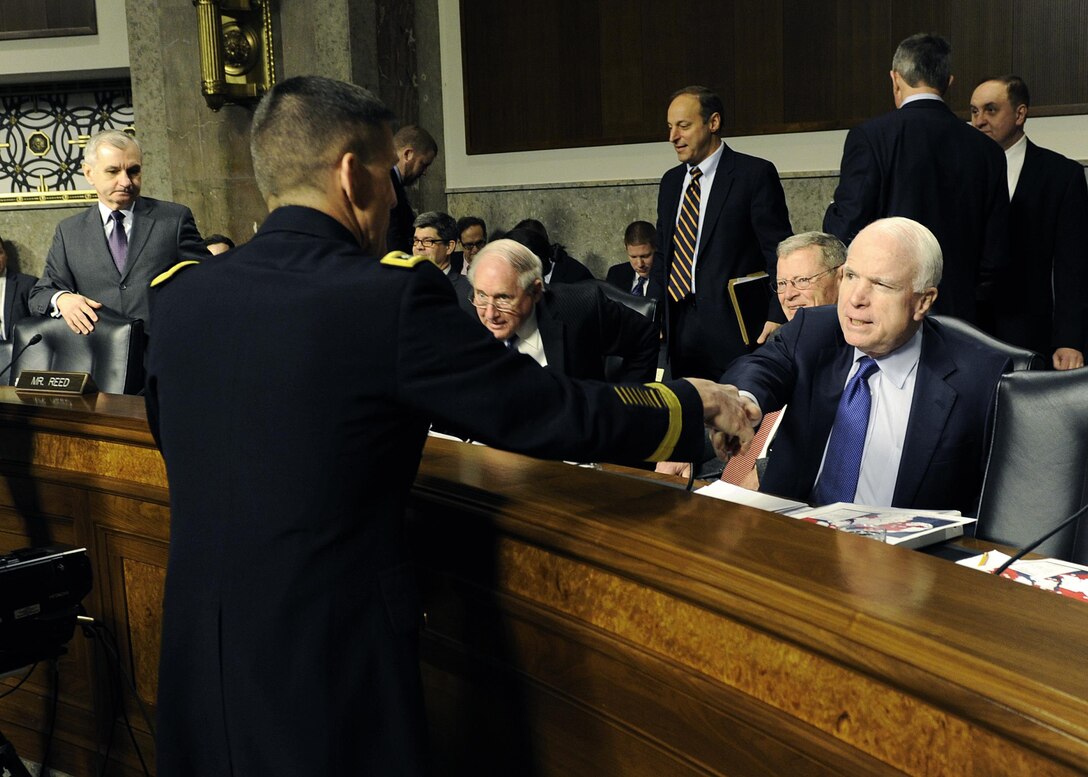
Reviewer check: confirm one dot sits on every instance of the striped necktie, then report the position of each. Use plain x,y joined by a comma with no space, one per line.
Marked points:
842,464
685,241
640,287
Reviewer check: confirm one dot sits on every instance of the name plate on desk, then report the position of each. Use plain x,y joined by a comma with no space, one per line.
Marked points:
55,382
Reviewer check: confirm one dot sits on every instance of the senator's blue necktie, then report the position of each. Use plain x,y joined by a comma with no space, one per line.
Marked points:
842,463
640,287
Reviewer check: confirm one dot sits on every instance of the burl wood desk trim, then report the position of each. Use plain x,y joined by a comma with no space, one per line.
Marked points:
580,622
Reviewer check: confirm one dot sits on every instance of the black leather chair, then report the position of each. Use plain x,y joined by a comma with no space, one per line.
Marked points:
1037,471
113,353
1022,358
647,306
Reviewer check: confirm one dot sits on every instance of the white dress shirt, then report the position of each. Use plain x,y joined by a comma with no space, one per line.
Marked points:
1014,158
529,341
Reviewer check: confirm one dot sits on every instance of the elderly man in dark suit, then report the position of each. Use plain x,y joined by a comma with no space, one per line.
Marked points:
16,295
570,327
720,215
109,254
885,406
922,162
1040,298
291,615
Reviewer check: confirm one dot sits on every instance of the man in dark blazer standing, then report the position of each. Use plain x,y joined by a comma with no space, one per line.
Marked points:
928,390
17,288
416,151
291,616
568,327
738,218
109,254
1041,297
922,162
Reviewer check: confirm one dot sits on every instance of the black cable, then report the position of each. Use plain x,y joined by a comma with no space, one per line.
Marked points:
52,721
691,478
19,684
102,633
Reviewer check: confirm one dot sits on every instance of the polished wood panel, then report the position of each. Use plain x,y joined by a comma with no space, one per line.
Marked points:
581,622
47,18
560,74
723,639
84,471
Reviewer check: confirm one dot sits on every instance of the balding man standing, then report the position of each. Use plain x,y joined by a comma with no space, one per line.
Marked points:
922,162
886,407
1040,298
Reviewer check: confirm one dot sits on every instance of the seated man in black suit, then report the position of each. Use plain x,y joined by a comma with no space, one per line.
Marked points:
473,235
15,291
568,327
633,276
416,151
1040,298
435,236
886,407
559,266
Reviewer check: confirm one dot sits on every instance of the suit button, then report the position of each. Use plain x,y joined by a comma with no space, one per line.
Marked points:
123,287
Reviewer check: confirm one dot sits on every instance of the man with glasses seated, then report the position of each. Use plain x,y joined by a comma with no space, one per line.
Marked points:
568,327
473,232
435,237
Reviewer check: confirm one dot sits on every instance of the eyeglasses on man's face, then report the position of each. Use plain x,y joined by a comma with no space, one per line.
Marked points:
501,303
801,284
474,245
426,242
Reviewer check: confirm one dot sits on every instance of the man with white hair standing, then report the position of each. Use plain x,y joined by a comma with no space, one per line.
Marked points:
108,255
886,406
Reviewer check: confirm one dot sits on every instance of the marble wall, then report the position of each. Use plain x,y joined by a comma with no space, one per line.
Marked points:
589,219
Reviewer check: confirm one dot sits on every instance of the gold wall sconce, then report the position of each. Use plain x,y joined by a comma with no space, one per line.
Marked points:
236,53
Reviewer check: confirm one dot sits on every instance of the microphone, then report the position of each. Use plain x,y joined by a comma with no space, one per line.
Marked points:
1041,540
33,341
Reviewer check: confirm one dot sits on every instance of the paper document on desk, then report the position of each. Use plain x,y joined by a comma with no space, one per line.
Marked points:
728,492
906,528
1050,574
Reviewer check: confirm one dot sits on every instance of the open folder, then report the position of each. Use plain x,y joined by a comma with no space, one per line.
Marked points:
751,296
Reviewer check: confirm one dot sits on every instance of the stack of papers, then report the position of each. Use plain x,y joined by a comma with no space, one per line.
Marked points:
1050,574
908,528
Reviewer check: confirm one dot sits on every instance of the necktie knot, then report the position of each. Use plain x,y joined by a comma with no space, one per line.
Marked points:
866,367
118,217
696,174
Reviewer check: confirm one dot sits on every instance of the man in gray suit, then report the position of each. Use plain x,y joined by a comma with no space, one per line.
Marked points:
108,255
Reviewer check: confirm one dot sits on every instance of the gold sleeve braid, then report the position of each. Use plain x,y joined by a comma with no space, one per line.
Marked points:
656,395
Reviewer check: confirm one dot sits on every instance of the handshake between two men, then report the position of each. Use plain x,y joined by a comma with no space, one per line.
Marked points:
731,418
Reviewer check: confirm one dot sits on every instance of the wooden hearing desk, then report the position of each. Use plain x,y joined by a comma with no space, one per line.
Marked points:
588,623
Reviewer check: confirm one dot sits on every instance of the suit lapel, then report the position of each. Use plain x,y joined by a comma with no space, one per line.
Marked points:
143,222
95,238
932,403
719,193
832,366
552,335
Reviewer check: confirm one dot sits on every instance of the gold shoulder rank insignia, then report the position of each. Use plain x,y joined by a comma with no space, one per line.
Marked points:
163,277
401,259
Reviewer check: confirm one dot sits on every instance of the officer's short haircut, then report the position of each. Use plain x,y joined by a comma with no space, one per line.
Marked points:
307,123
